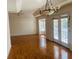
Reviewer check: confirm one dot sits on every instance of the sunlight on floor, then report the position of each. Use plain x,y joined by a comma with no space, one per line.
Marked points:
58,52
42,41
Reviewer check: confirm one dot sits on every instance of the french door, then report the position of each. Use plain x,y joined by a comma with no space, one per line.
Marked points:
60,31
42,26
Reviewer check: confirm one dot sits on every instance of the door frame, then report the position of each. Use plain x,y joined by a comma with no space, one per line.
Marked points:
59,30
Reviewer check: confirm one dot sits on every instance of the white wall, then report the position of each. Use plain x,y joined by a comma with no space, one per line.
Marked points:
14,6
8,38
24,24
11,5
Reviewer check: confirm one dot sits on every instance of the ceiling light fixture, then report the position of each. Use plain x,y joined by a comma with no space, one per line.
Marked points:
48,8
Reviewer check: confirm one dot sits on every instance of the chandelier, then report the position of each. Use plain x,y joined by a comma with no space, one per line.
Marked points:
48,8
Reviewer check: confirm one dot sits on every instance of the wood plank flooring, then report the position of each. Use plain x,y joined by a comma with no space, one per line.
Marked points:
37,47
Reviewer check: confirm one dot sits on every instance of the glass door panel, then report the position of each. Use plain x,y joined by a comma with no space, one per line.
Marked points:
42,27
64,30
55,22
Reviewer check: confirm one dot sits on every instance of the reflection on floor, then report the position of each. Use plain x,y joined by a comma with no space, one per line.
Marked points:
37,47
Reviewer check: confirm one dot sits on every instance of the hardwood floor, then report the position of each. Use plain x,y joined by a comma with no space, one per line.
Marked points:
37,47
